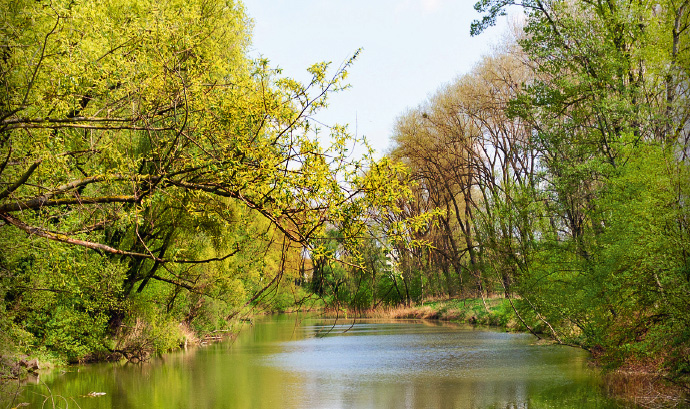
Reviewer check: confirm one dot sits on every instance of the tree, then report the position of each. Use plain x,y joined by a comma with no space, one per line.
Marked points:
141,132
476,166
608,105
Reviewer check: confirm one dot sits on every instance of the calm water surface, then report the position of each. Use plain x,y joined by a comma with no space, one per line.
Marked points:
283,362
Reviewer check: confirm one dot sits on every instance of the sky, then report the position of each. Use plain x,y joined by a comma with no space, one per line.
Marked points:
410,48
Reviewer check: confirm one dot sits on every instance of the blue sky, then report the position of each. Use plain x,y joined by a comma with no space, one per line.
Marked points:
410,49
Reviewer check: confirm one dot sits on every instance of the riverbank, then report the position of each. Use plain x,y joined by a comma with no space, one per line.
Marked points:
136,345
494,312
294,361
644,386
645,389
635,385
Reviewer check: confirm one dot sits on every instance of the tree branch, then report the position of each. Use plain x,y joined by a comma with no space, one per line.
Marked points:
66,239
63,238
84,126
43,201
21,180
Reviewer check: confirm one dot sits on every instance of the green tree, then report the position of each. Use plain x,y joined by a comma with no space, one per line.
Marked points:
139,134
608,105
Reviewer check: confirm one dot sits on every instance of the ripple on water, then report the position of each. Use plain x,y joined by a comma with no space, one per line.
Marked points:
415,351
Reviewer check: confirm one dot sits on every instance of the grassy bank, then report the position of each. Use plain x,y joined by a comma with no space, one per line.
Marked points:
495,312
138,344
641,385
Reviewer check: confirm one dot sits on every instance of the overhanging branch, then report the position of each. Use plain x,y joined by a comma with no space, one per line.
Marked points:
21,180
42,201
64,238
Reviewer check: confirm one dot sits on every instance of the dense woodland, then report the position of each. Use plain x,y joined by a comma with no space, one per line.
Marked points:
153,175
156,182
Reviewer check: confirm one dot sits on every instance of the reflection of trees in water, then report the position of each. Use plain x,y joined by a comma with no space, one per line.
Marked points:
278,362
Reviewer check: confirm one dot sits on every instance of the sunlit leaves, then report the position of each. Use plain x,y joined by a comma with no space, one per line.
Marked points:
142,129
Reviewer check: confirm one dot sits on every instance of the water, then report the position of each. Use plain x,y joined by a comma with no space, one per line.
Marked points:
282,362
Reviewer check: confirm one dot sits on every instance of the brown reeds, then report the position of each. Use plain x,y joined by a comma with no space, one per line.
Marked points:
645,389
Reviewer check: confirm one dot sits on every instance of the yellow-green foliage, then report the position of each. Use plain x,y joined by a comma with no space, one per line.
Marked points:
151,173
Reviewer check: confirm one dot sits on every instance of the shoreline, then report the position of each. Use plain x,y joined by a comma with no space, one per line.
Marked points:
491,312
636,385
632,384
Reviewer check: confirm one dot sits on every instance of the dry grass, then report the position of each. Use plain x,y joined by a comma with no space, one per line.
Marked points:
134,342
400,312
423,313
446,310
646,390
189,336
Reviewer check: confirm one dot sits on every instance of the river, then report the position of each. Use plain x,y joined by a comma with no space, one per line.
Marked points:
291,362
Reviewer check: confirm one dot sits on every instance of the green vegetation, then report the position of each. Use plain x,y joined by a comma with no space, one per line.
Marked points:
555,175
155,183
558,175
491,312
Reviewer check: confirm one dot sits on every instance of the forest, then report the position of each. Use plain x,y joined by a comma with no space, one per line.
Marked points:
156,183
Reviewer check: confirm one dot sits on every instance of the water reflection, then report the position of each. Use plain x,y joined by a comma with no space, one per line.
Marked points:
286,363
412,366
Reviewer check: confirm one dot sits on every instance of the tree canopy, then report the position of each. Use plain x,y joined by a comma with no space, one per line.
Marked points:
152,174
558,169
140,145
